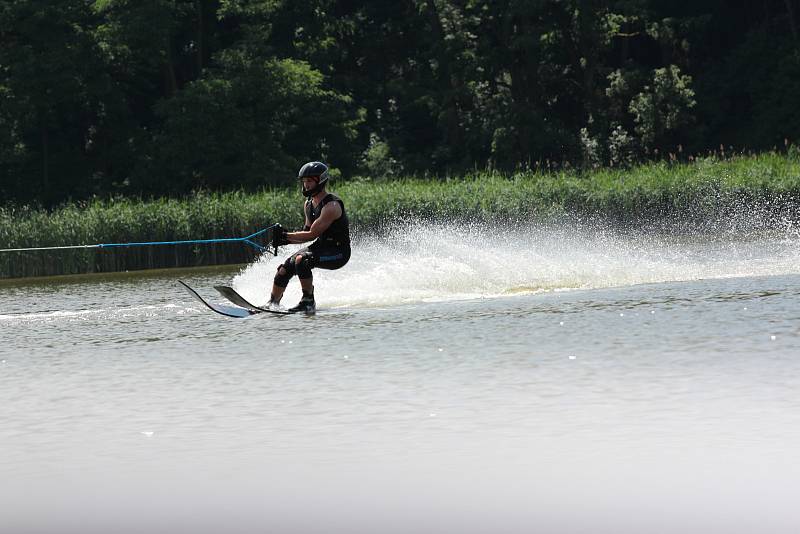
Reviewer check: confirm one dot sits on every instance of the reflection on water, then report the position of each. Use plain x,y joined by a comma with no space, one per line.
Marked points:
645,407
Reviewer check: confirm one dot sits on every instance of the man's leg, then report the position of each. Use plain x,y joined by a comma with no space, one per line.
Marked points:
277,290
303,265
307,284
282,277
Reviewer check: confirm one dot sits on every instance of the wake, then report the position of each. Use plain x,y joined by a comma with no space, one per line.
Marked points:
423,262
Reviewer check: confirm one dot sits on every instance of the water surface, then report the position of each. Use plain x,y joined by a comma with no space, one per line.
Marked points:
451,382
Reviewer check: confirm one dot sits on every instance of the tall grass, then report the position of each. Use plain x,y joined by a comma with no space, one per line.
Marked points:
695,191
705,188
203,216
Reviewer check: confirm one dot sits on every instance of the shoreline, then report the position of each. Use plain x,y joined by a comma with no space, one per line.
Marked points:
744,193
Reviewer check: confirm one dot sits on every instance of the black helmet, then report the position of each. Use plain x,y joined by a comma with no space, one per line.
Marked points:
314,169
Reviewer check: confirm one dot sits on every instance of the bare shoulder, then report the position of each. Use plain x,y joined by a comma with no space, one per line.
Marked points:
332,209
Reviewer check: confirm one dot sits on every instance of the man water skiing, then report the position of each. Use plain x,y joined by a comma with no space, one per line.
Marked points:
326,221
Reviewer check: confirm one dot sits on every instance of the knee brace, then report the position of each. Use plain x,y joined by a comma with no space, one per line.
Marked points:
303,267
282,280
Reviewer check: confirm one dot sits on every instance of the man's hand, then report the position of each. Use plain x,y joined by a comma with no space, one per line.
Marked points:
279,237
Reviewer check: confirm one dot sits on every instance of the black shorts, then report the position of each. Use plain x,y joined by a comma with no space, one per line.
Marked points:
324,257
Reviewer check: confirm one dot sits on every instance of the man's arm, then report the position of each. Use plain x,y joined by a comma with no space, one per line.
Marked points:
306,220
330,212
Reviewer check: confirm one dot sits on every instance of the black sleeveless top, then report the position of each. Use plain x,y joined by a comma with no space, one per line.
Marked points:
338,233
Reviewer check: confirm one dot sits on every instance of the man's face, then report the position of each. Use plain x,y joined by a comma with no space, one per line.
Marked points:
310,182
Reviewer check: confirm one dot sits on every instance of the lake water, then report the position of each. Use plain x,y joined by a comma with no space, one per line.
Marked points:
479,380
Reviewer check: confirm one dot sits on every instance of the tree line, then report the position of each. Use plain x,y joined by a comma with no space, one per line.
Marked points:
162,97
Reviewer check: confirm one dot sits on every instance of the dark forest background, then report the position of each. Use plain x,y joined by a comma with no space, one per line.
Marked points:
162,97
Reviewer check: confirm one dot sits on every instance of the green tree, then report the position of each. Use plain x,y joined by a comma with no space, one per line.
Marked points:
642,100
663,107
55,99
748,98
159,44
248,122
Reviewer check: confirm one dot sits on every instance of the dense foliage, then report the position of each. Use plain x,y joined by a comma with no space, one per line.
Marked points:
162,97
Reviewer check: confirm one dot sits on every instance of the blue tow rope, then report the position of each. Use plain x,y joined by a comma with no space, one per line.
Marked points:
247,240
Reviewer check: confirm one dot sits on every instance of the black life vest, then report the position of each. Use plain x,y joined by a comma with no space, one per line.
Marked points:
338,233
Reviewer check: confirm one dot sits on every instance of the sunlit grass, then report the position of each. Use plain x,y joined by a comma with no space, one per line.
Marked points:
703,188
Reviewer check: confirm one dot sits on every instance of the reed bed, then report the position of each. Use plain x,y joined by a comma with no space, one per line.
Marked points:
766,185
202,216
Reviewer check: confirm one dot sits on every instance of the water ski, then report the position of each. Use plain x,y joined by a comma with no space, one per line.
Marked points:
228,311
246,309
231,294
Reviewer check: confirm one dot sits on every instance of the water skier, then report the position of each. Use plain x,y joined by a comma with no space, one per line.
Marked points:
326,222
